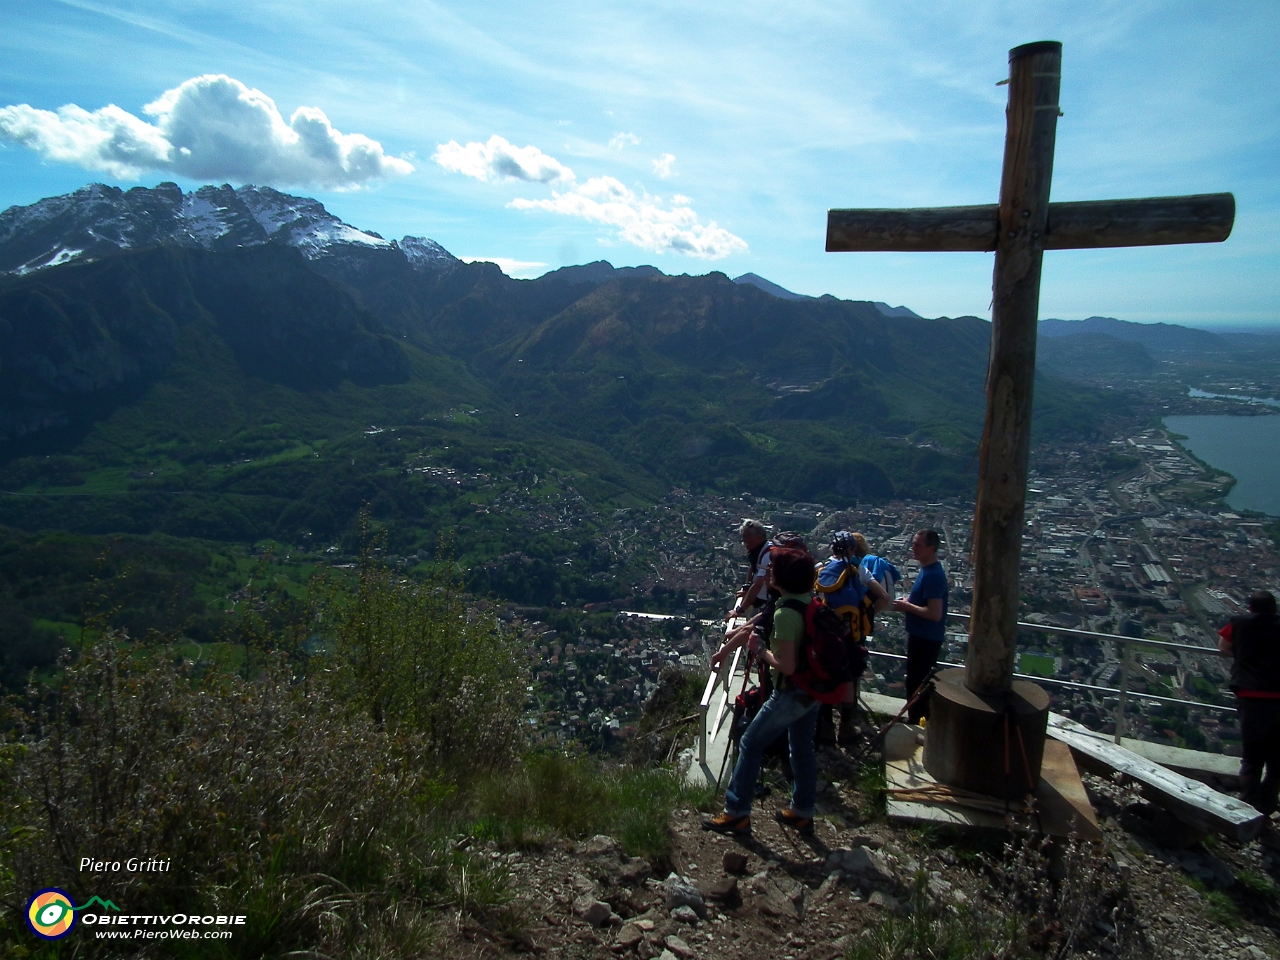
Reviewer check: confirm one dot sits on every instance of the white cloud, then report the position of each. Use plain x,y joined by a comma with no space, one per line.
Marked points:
210,127
621,141
510,267
500,160
662,165
641,220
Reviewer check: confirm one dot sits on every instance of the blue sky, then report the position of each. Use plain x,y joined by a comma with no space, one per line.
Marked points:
695,137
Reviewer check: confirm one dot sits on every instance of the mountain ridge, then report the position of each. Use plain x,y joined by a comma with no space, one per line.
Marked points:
652,380
1165,337
99,219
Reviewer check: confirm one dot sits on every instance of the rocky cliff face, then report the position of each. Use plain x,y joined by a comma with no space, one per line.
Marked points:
76,340
97,287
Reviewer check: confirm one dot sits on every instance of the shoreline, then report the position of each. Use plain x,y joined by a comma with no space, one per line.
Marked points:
1244,461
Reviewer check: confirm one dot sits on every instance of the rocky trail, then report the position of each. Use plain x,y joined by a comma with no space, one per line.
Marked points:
780,895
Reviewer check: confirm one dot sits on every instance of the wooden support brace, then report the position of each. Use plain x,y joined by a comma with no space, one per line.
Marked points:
1190,801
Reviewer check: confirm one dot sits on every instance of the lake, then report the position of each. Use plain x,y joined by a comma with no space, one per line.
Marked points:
1248,448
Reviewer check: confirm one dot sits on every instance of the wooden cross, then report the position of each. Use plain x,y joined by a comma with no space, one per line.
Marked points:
1019,229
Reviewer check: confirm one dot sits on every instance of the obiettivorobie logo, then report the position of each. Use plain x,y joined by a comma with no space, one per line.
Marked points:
52,914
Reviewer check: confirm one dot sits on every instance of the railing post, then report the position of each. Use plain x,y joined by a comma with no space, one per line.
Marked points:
702,734
704,706
1124,690
720,677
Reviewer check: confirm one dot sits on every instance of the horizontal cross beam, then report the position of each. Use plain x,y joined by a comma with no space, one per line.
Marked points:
1204,218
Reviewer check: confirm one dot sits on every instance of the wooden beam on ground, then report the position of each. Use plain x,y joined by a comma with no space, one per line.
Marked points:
1192,802
1216,769
1090,224
1223,814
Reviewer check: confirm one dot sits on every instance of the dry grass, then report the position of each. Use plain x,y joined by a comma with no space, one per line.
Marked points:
1037,898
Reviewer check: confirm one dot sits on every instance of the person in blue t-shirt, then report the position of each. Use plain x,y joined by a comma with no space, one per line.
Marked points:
925,613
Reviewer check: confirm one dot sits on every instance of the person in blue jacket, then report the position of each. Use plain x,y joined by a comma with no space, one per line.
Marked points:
925,615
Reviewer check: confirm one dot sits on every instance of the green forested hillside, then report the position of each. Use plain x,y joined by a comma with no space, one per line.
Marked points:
251,395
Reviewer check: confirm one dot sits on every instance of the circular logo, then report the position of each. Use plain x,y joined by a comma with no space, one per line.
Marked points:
51,914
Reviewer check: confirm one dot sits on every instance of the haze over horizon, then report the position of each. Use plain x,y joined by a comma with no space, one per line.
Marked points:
694,140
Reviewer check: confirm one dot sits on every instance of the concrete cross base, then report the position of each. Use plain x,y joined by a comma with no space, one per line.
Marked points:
1060,807
989,745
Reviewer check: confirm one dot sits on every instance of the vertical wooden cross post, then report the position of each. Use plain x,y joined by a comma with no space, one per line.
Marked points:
1035,72
1019,229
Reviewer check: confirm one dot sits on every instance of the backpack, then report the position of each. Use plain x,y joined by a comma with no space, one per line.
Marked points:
883,572
838,583
765,594
789,541
838,586
832,654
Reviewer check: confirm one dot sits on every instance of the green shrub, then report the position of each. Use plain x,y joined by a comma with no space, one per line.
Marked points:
1036,899
264,798
1219,907
669,720
1257,883
314,794
412,656
873,789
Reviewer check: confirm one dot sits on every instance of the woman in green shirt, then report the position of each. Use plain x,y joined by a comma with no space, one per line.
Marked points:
789,708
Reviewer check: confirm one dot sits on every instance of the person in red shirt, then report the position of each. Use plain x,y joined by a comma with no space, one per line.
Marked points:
1253,643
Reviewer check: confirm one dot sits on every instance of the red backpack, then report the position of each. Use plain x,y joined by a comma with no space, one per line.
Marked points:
831,655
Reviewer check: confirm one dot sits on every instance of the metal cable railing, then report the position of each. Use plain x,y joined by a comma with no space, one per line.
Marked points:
721,677
1122,692
1076,685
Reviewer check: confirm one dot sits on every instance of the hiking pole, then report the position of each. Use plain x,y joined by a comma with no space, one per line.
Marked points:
925,685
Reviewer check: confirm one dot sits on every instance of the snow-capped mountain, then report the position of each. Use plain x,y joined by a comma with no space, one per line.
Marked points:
98,219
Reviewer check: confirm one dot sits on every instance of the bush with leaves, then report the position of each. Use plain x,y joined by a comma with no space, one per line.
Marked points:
412,656
263,797
1039,899
313,793
932,930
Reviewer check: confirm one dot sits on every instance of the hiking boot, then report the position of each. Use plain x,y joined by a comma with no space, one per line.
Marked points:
729,824
801,825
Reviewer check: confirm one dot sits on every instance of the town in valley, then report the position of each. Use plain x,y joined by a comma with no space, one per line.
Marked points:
1127,537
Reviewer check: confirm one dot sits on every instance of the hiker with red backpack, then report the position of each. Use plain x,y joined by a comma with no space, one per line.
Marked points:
812,654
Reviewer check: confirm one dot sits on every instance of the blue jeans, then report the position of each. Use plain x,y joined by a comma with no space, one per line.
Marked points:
789,710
